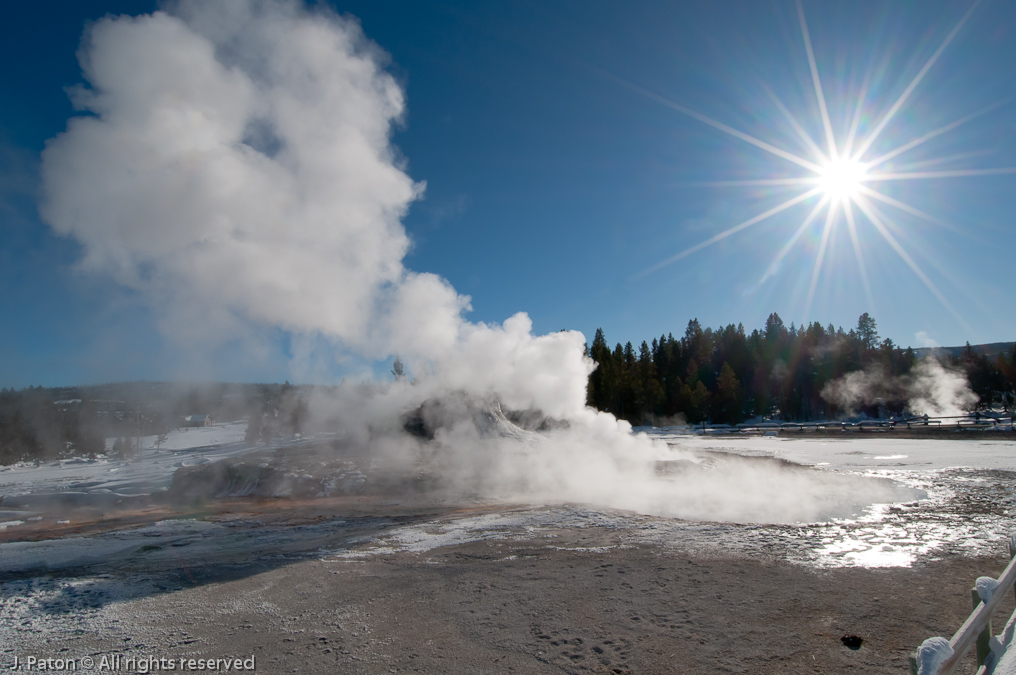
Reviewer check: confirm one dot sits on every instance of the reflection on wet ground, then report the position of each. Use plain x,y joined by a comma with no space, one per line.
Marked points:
966,512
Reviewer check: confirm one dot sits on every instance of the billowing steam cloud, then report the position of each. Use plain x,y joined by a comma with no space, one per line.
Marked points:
936,390
929,389
235,165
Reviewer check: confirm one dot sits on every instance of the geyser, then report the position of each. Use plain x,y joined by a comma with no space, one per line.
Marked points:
234,168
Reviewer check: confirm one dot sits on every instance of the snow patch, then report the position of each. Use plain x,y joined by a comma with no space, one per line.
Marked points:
932,654
986,587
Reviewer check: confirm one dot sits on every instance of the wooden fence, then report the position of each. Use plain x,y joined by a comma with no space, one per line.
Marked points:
984,421
977,628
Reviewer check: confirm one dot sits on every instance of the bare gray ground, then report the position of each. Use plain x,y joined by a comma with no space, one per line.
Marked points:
552,606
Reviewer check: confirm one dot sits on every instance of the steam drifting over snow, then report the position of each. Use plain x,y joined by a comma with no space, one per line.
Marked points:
235,168
930,389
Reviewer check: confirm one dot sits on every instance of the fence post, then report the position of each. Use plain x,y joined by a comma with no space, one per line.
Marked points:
984,637
1012,550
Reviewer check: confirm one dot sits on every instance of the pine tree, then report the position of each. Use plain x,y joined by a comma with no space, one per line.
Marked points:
774,328
398,369
866,331
698,405
728,396
600,385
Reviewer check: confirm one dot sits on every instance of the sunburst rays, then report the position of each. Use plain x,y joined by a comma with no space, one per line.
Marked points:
840,175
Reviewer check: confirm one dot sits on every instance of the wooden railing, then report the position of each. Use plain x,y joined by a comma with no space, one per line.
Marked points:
960,422
977,628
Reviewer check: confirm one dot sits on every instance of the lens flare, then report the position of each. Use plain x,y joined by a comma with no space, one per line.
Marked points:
841,177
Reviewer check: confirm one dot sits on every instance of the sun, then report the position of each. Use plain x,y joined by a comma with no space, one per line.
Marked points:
842,179
843,182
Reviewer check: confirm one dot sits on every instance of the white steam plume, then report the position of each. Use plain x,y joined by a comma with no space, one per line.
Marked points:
939,391
236,162
929,389
234,166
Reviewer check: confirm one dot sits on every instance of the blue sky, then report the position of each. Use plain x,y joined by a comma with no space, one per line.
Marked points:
563,167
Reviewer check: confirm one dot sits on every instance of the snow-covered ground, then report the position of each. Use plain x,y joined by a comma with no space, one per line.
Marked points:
150,470
186,438
857,452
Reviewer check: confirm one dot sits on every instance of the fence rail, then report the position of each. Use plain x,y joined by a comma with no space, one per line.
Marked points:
976,421
976,629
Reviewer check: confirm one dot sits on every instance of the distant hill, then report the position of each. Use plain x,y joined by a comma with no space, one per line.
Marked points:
990,350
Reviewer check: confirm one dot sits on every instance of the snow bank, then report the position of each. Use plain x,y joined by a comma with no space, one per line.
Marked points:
1003,660
187,438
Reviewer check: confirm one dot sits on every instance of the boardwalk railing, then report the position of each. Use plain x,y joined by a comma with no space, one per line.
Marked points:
975,630
995,421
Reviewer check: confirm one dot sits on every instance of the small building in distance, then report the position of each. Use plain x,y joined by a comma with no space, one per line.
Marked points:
197,421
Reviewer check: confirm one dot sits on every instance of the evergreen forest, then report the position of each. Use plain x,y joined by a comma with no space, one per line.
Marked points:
727,375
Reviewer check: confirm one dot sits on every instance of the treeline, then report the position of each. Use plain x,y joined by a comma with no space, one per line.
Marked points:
721,376
39,423
728,375
35,425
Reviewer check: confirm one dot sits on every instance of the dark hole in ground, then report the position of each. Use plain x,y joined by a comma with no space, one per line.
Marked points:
851,641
